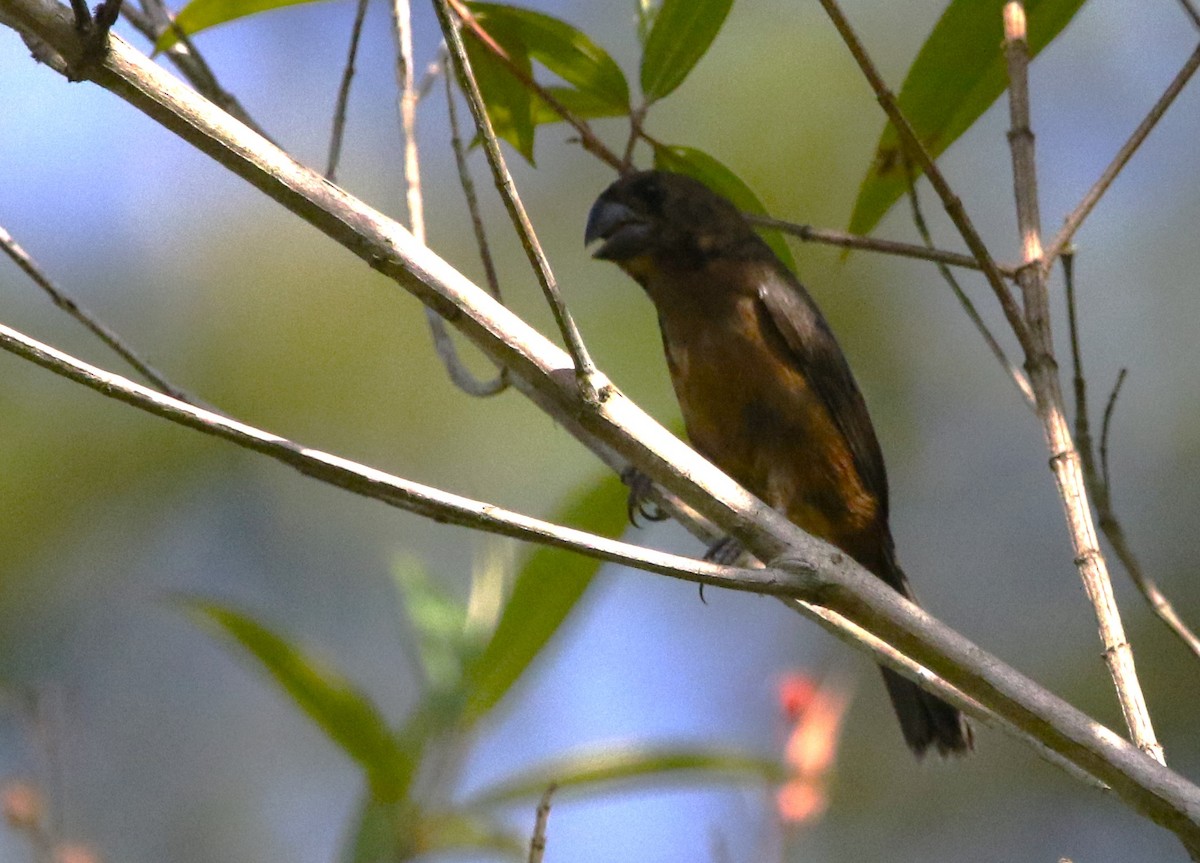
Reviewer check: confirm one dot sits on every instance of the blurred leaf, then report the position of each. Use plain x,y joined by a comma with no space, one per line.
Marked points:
703,167
957,75
508,102
460,831
347,717
579,103
382,833
202,14
546,589
562,49
622,763
440,622
682,32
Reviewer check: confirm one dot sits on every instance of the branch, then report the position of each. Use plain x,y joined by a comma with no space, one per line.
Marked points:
620,433
1043,372
1073,221
828,237
338,132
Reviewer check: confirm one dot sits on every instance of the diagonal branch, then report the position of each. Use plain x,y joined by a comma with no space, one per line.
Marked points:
1075,219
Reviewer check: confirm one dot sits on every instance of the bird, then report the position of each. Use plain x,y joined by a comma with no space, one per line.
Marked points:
765,390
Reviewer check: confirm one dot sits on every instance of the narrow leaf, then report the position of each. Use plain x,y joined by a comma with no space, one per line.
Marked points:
546,589
599,770
682,32
564,50
345,714
202,14
957,75
703,167
579,103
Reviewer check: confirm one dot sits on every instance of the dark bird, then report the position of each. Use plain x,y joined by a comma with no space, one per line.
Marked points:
765,391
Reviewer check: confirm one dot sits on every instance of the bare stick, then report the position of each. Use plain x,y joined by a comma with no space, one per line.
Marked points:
1015,374
1098,480
841,239
587,138
1065,459
1190,9
338,133
1073,221
459,374
950,201
616,429
470,384
537,843
30,267
585,369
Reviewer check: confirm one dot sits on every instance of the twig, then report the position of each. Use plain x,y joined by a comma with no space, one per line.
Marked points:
1075,219
537,842
30,267
587,138
338,133
1014,373
462,378
618,431
1098,479
1065,459
1190,9
950,201
401,493
443,344
585,369
841,239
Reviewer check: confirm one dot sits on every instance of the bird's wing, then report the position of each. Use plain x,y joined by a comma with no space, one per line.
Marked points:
816,353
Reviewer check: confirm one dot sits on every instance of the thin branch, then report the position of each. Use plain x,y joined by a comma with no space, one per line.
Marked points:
587,138
469,383
617,430
1190,9
1065,459
585,369
1073,221
537,843
1014,374
404,494
338,133
68,304
1099,482
841,239
950,201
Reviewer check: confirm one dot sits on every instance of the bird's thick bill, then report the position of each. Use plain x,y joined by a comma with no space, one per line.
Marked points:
624,231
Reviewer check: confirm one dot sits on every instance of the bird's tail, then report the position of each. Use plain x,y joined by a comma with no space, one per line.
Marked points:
926,720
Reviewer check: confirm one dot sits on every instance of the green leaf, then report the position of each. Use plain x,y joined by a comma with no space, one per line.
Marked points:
562,49
682,32
703,167
600,769
546,589
957,75
202,14
509,103
443,642
646,10
345,714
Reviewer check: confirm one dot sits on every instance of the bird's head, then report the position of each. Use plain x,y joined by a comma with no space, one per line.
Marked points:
656,217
